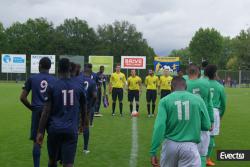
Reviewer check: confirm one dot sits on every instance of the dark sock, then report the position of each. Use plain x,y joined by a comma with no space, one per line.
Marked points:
131,107
36,155
153,108
120,106
86,138
137,107
148,107
113,107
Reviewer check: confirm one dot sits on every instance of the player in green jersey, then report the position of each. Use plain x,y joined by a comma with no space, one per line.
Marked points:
219,103
181,118
200,87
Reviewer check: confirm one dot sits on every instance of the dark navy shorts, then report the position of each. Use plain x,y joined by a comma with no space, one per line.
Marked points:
151,95
165,93
133,94
35,119
117,92
62,146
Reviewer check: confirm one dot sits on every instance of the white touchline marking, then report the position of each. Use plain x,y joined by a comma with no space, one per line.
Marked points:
134,148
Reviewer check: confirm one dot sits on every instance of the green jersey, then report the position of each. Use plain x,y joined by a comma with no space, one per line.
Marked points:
201,87
185,77
218,96
181,117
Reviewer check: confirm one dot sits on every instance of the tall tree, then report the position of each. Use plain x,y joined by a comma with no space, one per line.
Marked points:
3,42
122,38
226,54
32,37
242,49
206,44
184,55
75,37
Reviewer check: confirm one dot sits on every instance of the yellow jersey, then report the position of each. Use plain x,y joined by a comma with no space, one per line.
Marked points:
134,83
151,82
165,82
118,80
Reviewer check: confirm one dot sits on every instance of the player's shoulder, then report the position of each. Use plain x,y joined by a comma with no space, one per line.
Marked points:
204,81
138,77
156,77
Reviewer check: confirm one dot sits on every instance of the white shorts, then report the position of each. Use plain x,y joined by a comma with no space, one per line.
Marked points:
180,154
216,128
203,145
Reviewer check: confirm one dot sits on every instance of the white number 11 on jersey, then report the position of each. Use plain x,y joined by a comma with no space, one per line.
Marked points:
71,97
179,105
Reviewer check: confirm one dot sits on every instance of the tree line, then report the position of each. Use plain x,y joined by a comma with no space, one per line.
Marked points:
74,37
226,52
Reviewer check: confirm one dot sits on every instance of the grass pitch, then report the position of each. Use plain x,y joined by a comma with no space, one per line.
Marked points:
110,140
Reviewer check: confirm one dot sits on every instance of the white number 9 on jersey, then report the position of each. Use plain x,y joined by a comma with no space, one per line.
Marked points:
43,85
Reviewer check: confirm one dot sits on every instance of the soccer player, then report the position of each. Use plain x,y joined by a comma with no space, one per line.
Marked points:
151,83
201,88
60,116
219,103
101,81
90,88
37,84
204,64
165,83
93,76
117,83
180,119
134,90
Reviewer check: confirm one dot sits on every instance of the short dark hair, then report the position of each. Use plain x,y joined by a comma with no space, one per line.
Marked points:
72,67
101,66
64,65
178,82
204,64
45,63
87,66
193,69
210,71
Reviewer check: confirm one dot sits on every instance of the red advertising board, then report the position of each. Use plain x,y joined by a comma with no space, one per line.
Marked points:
133,62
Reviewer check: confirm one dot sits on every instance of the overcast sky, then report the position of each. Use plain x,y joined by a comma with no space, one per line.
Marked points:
166,24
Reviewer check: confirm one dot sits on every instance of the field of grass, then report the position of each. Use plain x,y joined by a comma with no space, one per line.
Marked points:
110,141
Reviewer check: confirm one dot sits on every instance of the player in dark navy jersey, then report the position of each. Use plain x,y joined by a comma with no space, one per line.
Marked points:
90,88
61,117
37,84
101,81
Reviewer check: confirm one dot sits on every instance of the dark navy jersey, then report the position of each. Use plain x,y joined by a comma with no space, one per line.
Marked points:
89,85
101,79
93,76
38,84
66,97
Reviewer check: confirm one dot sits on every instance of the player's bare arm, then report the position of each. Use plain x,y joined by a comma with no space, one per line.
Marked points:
43,122
154,161
24,99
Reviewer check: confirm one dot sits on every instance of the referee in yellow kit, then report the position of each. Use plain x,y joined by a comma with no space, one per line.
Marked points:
117,82
134,89
165,83
151,83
